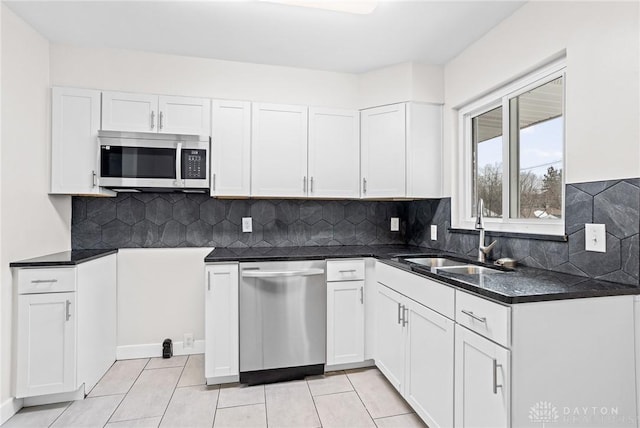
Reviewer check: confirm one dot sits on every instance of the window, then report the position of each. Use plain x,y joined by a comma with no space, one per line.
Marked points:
512,144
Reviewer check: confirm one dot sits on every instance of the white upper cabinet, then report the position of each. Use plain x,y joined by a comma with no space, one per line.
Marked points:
74,142
129,112
182,115
383,151
334,153
424,150
279,151
401,151
230,148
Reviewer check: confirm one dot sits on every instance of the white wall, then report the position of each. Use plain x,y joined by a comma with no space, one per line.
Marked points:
601,40
160,295
408,81
135,71
32,223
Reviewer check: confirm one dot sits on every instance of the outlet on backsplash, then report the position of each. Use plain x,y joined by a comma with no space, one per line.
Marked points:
395,224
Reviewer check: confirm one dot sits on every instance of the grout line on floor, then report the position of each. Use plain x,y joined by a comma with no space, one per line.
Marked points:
360,398
126,393
215,413
61,413
313,400
266,414
173,391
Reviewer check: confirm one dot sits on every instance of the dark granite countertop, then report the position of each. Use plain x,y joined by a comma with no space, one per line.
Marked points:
524,284
65,258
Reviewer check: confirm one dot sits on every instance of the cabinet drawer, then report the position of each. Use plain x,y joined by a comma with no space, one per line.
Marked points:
432,294
485,317
46,280
345,270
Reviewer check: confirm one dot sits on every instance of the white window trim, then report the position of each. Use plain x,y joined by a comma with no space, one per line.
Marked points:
461,202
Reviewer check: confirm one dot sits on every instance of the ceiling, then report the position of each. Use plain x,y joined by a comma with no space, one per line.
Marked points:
429,32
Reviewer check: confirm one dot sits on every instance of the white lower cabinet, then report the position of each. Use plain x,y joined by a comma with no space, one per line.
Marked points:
345,311
415,353
390,336
46,344
514,365
66,327
429,364
222,344
482,396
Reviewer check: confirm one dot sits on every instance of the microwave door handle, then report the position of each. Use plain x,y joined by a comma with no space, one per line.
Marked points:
179,182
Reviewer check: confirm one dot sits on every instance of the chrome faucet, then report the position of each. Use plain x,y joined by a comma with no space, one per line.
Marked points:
482,250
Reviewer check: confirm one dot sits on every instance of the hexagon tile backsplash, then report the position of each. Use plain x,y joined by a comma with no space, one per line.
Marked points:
194,220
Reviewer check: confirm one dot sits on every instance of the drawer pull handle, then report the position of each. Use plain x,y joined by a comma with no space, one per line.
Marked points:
495,376
208,281
474,316
405,315
43,281
362,295
399,313
347,271
67,310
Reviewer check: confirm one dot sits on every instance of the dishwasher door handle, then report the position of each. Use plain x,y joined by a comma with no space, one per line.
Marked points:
252,273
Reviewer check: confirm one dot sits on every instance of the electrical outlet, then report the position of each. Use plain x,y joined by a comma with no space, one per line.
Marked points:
395,224
247,225
187,341
595,237
434,232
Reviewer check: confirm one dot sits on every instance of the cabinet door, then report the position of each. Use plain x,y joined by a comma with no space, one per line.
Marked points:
279,151
383,151
345,322
482,379
390,336
334,153
46,357
424,150
230,148
183,115
429,365
75,121
129,112
221,324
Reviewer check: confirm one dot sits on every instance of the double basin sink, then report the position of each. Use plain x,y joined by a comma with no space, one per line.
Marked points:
443,264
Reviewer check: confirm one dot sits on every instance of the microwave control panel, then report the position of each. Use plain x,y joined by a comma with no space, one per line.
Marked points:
194,164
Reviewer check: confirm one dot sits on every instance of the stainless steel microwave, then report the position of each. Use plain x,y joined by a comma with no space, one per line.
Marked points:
143,161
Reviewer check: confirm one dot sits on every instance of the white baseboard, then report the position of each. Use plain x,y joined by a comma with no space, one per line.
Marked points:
9,408
149,350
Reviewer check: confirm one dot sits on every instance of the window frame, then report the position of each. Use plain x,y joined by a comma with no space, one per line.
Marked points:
462,203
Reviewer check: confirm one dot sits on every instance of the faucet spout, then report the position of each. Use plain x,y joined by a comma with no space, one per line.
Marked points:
483,250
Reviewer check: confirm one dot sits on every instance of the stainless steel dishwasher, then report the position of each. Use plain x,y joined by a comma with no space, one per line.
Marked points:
282,320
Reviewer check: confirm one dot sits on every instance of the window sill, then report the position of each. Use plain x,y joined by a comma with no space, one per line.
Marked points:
517,235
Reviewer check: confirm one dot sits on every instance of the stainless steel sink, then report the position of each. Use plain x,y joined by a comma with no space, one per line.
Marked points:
468,269
434,262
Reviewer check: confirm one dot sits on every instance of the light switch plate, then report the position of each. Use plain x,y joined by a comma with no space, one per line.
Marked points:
434,232
247,225
395,224
595,237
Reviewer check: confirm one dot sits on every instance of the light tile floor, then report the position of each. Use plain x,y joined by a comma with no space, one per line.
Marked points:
171,392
